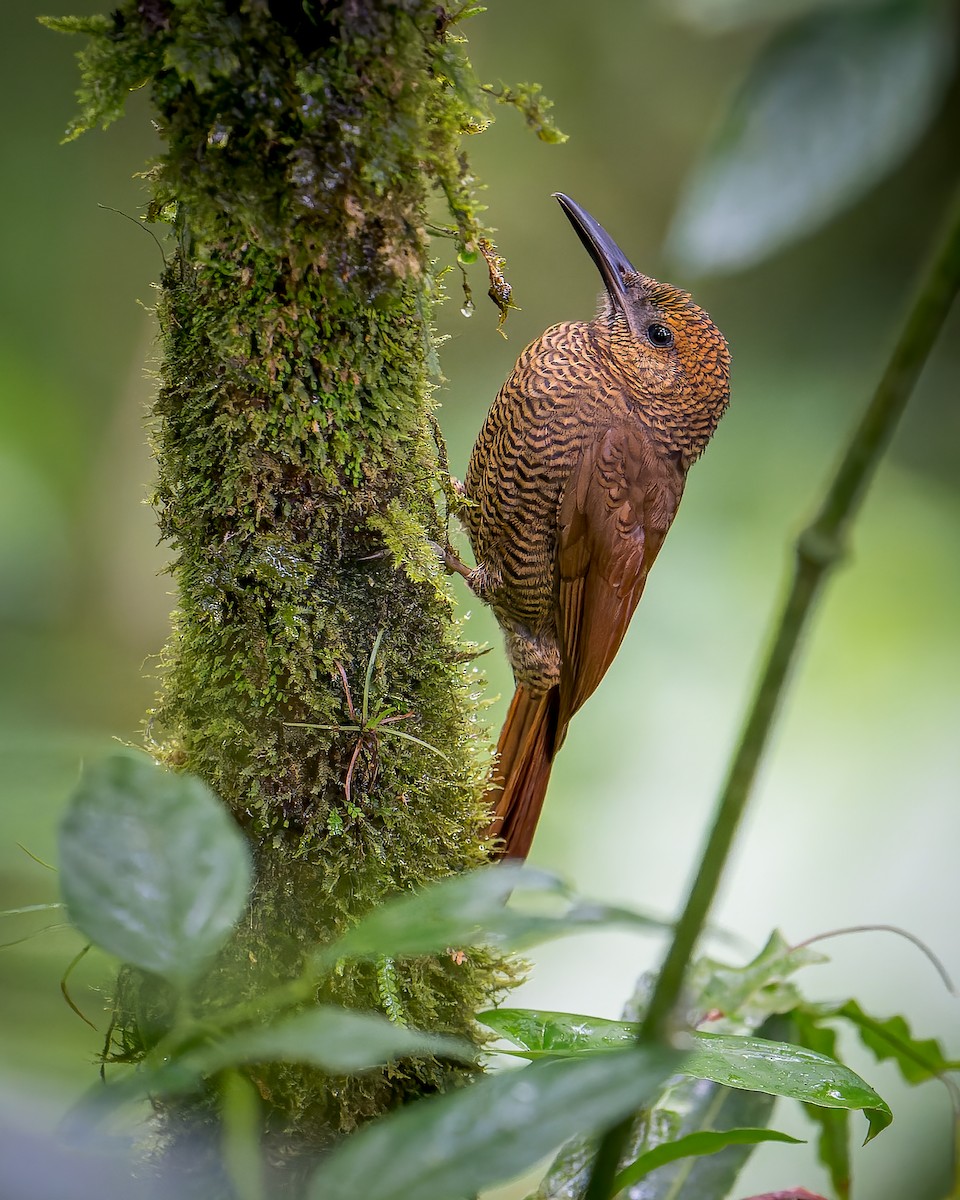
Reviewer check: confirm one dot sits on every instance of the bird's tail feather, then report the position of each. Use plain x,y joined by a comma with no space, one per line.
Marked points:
524,758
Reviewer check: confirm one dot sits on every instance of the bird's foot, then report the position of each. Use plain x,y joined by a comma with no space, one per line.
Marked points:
478,579
453,565
448,559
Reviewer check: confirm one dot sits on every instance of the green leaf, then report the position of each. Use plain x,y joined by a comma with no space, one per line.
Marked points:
683,1106
755,1064
490,1131
781,1069
153,868
833,1144
759,989
470,909
830,106
337,1040
919,1059
695,1145
543,1034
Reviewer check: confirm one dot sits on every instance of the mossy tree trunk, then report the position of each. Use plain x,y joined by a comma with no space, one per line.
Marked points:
298,486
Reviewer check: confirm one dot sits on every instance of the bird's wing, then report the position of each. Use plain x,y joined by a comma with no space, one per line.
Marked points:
616,508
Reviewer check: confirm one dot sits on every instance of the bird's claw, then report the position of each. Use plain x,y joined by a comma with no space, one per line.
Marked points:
449,561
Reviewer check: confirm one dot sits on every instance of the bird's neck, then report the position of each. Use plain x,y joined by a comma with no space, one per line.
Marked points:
679,420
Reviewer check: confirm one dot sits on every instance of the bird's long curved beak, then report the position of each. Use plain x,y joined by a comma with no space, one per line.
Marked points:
611,261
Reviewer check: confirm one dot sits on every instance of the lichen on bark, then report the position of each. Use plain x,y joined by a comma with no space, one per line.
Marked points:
298,479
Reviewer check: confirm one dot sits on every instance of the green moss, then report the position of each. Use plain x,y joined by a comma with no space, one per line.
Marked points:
407,540
112,66
529,100
298,473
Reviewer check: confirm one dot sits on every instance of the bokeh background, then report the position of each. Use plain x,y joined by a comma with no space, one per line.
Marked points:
856,818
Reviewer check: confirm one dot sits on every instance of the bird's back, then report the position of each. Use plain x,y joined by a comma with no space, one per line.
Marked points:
557,394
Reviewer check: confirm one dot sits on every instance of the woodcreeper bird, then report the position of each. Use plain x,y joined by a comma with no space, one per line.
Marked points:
571,488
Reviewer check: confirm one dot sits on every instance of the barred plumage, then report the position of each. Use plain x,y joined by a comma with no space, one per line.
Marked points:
574,481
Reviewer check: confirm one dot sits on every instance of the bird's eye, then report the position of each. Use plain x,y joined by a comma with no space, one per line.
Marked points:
659,335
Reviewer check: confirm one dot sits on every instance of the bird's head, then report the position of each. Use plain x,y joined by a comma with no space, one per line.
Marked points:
674,359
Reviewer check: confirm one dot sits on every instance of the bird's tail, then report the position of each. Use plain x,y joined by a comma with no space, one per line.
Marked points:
524,758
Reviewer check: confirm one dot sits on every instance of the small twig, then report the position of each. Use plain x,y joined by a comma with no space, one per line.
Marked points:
921,945
36,858
27,937
105,1055
348,782
446,231
818,549
139,224
63,984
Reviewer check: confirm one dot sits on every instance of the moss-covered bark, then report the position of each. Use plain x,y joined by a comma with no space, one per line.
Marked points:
298,480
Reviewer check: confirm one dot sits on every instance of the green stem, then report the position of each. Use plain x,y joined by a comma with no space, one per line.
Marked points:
818,549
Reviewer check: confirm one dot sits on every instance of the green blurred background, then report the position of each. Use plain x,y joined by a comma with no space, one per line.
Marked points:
856,818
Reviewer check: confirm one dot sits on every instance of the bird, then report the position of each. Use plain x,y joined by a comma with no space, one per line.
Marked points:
570,490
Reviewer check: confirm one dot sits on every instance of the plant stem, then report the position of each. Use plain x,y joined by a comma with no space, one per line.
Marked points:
818,548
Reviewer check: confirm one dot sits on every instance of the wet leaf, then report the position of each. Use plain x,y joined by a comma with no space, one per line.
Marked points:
829,107
153,868
695,1145
756,1064
490,1131
919,1059
542,1034
833,1144
683,1106
781,1069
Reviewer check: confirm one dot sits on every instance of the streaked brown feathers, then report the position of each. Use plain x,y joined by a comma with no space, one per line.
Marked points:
576,476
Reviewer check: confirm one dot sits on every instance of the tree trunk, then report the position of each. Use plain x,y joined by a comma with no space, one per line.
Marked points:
298,484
